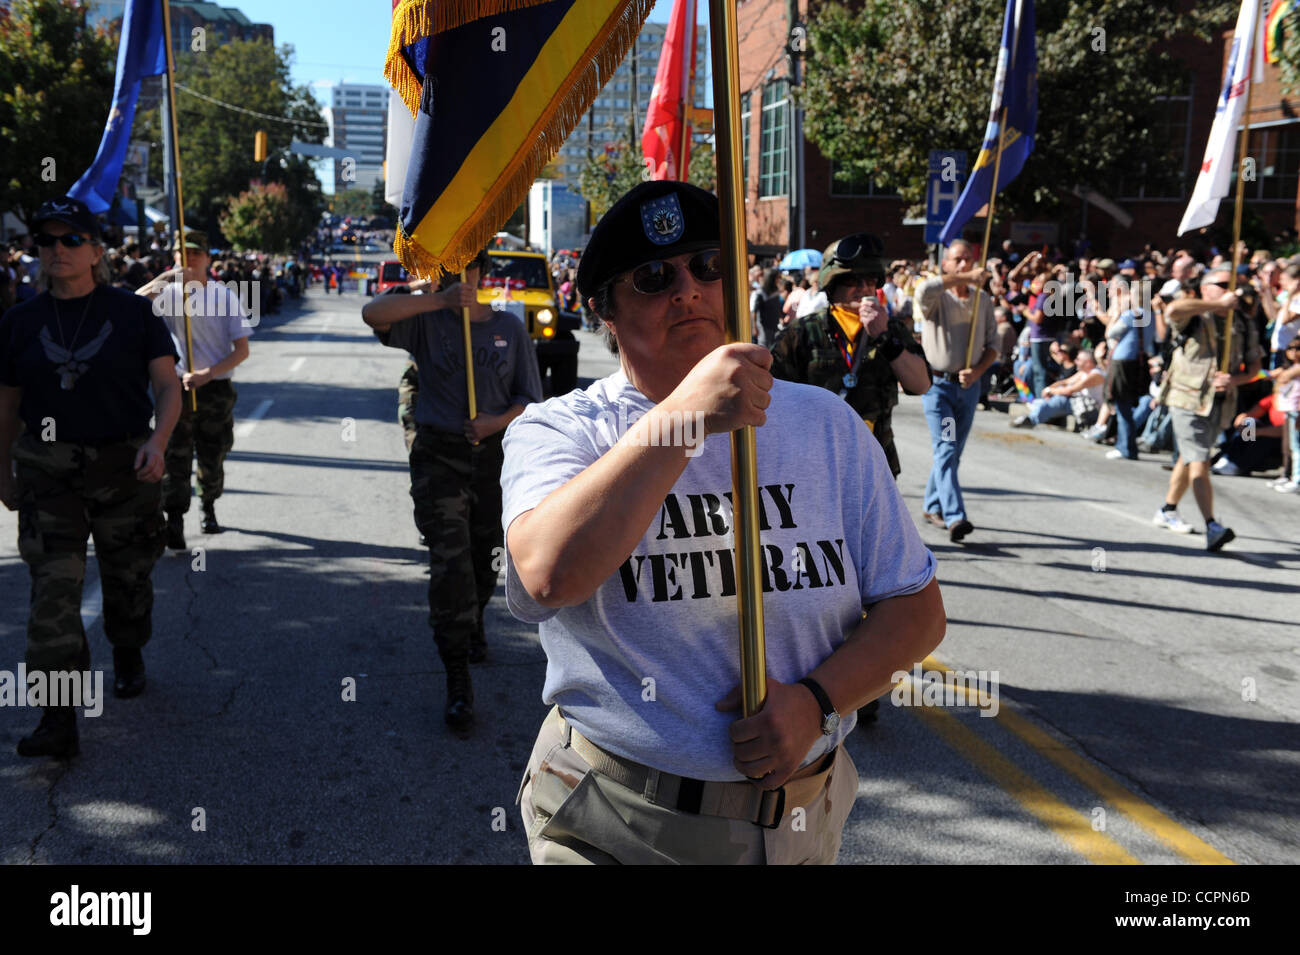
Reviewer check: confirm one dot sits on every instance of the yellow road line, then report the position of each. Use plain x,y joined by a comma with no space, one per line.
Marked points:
1072,826
1186,843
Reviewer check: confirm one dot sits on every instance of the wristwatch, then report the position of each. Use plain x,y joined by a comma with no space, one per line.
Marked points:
830,719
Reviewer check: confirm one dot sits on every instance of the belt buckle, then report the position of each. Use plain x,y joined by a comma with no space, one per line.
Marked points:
765,804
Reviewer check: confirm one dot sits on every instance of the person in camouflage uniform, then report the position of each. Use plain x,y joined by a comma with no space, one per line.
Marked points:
76,365
852,347
455,460
408,392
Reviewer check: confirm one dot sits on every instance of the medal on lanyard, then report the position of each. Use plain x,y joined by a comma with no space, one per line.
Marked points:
850,380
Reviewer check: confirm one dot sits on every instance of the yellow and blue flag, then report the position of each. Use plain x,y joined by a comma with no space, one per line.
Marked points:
495,87
1015,87
140,53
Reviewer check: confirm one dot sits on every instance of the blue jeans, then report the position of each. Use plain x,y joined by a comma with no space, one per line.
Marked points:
1049,409
1040,353
1293,435
1126,430
949,411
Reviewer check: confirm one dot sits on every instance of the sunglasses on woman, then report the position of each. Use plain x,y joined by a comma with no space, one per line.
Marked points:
651,278
70,240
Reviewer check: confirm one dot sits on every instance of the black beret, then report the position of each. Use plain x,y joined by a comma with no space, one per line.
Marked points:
654,220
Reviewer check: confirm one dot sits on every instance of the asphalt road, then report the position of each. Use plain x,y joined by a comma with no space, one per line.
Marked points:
1147,691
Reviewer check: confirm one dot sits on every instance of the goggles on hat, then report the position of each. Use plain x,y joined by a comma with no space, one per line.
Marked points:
71,240
657,276
855,249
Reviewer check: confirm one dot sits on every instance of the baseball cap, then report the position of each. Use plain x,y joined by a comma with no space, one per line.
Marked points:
652,220
858,254
1128,264
1107,264
71,212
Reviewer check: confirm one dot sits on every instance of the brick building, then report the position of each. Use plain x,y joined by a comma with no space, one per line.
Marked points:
832,207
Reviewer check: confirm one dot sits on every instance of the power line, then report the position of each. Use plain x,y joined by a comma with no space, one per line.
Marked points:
249,112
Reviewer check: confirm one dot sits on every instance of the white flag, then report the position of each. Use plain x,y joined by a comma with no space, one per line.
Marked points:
401,129
1216,168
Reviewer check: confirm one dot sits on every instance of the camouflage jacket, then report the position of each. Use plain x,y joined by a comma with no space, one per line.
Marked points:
808,351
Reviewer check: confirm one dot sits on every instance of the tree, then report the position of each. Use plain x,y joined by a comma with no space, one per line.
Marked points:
217,141
261,219
56,85
379,204
1289,51
897,78
356,203
610,172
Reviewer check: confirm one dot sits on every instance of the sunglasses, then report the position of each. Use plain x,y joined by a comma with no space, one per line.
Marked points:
658,276
70,240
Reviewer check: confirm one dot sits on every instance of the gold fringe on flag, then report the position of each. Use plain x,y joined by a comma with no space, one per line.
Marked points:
574,97
419,19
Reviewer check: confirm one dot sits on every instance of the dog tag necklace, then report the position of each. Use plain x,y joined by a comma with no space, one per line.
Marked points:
71,369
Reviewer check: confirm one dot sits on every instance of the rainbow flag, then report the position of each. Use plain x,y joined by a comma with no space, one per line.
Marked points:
1023,390
495,87
1273,28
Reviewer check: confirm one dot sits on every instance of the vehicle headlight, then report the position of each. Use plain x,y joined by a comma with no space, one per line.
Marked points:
545,316
548,332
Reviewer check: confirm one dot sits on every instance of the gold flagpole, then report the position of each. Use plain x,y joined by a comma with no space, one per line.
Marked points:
180,199
744,460
1236,215
469,360
988,232
688,100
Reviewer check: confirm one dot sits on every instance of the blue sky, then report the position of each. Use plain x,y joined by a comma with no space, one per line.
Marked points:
333,42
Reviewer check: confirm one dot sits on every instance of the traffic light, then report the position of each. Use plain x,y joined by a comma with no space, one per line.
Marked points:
259,146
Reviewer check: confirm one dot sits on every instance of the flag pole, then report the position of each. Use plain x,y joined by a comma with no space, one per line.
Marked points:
175,159
688,95
469,360
744,459
1236,215
988,232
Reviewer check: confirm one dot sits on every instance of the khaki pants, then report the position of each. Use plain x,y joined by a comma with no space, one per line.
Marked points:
573,815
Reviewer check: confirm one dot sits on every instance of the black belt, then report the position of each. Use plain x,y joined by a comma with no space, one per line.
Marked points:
953,376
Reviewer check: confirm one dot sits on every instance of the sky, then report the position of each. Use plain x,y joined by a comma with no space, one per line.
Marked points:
333,44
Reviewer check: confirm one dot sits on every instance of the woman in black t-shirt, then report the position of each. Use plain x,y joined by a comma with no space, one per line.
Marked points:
76,365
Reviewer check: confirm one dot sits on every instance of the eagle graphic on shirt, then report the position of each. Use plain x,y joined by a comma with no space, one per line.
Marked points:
70,364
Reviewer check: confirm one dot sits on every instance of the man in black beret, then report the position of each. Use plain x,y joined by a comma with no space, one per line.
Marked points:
617,511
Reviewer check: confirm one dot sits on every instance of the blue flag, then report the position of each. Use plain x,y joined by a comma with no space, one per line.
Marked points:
140,53
1016,88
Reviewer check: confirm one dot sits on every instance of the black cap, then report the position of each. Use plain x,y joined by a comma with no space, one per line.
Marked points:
653,220
71,212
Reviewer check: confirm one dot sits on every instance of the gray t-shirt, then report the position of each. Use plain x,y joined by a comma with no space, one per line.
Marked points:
836,538
217,320
505,368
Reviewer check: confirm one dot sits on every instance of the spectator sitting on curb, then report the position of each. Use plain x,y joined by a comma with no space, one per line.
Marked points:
1080,394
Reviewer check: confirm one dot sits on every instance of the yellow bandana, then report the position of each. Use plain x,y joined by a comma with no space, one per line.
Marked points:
850,321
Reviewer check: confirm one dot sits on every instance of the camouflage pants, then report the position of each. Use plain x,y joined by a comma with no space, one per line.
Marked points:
456,490
66,493
208,434
883,428
574,815
408,390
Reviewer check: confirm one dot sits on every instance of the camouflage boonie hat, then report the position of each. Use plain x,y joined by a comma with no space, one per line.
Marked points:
858,254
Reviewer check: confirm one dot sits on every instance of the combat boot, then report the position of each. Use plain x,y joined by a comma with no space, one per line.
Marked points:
128,672
176,530
210,525
55,736
460,697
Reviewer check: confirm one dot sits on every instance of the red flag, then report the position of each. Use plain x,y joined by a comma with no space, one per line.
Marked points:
661,141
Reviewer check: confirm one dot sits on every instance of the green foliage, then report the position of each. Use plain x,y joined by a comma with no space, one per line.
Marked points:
356,203
618,167
217,143
897,78
1289,52
261,219
56,85
380,206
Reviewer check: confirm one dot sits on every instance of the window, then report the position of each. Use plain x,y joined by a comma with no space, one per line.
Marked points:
847,183
1276,151
774,141
745,114
1172,129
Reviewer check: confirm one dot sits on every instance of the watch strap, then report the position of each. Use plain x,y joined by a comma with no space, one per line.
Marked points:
823,700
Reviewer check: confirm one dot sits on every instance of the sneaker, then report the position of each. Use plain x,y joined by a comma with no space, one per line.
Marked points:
1024,421
1290,487
1115,454
1171,521
1225,467
1279,481
1216,535
1096,434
